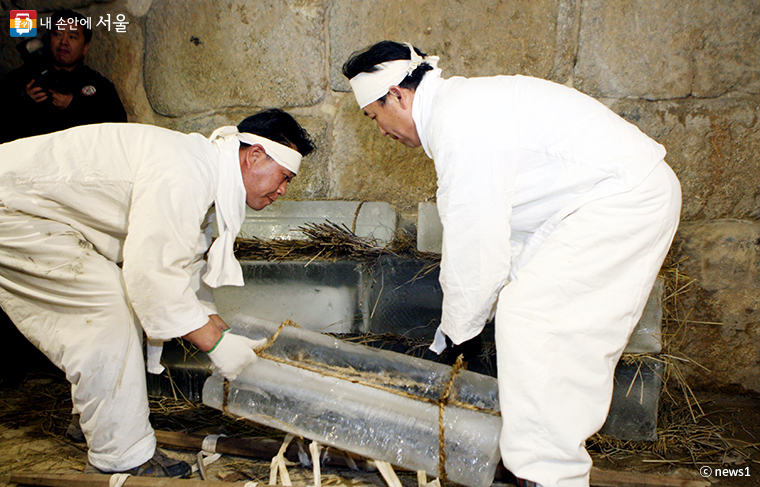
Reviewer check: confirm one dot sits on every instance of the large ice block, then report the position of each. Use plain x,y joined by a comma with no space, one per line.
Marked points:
635,400
318,295
405,297
374,220
376,403
647,336
429,228
186,370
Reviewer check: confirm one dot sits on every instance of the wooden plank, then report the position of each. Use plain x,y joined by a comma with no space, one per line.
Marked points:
242,447
97,480
610,478
263,449
614,478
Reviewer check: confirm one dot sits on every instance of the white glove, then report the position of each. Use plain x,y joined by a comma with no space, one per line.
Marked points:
232,353
439,341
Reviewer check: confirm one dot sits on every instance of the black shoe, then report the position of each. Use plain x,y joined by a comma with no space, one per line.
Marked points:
74,431
158,466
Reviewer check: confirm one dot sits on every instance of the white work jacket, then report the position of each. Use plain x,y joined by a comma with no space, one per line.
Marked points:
514,155
141,195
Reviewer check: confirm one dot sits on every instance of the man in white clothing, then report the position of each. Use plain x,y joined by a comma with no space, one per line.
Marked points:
557,215
103,230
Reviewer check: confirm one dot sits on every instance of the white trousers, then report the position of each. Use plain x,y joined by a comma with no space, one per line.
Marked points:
564,319
69,301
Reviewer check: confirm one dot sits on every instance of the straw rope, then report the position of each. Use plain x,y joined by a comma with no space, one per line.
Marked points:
356,377
225,402
458,365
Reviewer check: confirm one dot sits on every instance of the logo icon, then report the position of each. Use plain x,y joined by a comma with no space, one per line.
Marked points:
23,23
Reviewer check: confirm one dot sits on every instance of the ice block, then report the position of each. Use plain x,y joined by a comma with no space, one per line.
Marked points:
372,220
292,290
375,403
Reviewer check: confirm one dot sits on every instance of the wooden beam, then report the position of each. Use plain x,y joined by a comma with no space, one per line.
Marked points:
610,478
259,448
97,480
243,447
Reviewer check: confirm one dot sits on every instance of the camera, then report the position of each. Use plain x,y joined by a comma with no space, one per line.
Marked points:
37,61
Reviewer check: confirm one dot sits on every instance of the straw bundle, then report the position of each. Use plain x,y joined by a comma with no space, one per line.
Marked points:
327,241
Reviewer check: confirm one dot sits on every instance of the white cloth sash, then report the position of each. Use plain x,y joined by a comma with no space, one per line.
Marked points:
223,267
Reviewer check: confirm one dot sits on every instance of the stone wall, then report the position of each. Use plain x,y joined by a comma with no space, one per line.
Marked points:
687,73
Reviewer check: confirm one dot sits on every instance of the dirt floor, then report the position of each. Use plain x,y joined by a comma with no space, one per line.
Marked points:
35,410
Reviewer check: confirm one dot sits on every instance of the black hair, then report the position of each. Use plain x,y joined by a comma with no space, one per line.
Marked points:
70,14
366,61
278,126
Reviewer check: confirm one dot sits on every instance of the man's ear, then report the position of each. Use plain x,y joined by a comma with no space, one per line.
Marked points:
402,95
251,154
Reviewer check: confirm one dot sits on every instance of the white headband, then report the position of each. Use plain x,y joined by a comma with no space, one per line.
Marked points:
288,158
369,87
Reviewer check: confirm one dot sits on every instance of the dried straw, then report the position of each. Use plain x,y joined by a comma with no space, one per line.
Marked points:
329,242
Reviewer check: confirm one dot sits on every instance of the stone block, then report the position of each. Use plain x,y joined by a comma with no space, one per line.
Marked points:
118,56
681,48
138,8
208,122
313,180
726,58
718,321
234,53
472,38
365,166
712,146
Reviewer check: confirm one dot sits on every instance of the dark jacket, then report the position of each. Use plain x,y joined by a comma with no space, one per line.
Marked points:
95,101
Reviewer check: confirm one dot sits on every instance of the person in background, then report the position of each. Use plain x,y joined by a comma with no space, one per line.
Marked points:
557,215
54,89
103,233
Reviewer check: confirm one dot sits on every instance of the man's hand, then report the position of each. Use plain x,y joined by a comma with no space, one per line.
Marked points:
217,321
232,353
61,100
208,335
36,93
